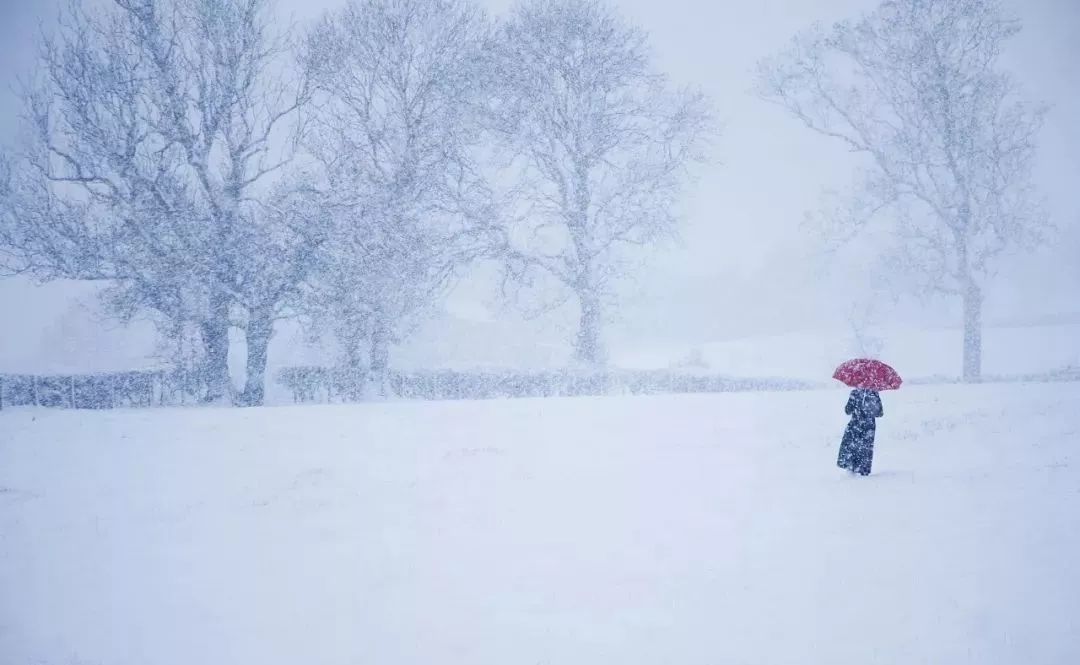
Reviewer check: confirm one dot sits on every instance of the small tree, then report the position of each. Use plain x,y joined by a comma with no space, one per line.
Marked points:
915,87
599,144
395,136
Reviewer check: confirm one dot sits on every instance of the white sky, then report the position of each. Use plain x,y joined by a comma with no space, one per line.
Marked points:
744,266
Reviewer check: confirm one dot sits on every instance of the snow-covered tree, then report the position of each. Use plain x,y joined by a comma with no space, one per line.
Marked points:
395,135
915,86
282,235
598,143
151,126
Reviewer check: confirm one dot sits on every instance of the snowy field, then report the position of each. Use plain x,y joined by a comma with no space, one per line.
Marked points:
687,530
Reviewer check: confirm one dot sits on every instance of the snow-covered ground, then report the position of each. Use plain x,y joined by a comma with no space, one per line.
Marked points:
692,529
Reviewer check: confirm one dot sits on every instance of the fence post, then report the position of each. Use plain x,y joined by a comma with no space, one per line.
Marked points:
33,382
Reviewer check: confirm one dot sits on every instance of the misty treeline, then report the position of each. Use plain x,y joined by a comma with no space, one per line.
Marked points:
221,170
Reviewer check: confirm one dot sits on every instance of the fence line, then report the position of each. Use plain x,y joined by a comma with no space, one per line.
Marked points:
142,388
148,388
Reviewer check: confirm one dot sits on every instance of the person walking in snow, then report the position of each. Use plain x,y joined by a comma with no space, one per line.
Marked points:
857,447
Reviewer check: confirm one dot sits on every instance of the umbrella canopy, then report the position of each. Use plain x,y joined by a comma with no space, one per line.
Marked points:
868,375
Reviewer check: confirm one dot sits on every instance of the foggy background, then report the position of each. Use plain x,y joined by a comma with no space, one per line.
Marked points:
745,265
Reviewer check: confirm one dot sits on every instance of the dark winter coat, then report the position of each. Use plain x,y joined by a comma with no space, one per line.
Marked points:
857,448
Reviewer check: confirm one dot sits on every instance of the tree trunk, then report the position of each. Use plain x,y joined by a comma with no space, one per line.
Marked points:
588,346
351,377
260,329
215,339
380,355
973,301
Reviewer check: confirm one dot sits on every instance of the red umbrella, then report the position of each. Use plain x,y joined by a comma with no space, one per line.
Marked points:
868,374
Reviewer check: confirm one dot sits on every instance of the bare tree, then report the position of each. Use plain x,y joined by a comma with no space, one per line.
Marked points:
599,144
915,86
395,136
282,236
152,125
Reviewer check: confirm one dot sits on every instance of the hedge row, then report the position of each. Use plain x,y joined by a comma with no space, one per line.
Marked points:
320,384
